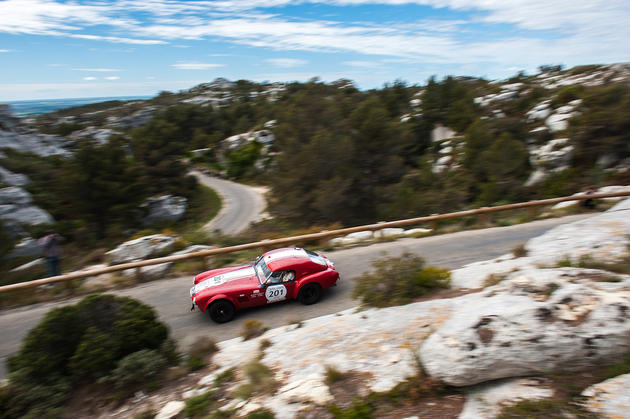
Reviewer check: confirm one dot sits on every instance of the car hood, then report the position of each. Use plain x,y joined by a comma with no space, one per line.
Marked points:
222,280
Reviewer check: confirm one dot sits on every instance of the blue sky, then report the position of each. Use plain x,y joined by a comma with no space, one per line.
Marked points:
61,49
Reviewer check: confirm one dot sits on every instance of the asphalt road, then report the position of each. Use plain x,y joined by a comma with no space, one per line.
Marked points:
242,204
171,299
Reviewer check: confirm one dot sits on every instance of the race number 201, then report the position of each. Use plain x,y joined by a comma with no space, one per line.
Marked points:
276,293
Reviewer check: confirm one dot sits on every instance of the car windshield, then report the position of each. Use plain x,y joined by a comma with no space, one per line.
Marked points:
262,270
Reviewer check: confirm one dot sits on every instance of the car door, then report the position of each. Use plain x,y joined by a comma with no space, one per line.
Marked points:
280,286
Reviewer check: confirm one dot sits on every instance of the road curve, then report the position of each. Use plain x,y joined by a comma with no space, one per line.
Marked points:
171,300
242,204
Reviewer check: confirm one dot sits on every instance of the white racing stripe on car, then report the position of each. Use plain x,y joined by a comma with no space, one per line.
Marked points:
288,253
222,279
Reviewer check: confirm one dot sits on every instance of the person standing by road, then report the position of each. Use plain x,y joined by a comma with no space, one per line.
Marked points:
51,250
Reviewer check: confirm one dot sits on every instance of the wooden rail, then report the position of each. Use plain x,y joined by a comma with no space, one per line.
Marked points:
306,238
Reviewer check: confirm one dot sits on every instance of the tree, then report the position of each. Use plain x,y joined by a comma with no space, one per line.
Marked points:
101,185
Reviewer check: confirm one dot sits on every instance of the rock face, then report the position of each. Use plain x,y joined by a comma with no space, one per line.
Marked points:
13,179
602,237
611,398
40,144
535,321
140,248
164,208
16,210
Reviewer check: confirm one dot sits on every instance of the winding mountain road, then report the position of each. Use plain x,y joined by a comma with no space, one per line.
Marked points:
242,204
171,299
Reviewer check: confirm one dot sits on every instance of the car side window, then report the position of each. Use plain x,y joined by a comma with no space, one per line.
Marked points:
275,278
288,276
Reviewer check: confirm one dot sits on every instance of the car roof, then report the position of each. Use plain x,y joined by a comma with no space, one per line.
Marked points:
286,258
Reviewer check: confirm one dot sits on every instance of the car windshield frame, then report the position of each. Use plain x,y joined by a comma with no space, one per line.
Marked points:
262,271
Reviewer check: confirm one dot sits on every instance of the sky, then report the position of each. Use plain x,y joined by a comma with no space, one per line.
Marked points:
72,49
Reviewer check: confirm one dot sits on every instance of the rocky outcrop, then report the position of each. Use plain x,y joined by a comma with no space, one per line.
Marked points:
141,248
164,208
17,210
611,398
13,179
534,321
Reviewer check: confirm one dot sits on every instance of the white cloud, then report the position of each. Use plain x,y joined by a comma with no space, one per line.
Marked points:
98,70
195,66
362,64
286,62
112,78
89,78
119,40
5,50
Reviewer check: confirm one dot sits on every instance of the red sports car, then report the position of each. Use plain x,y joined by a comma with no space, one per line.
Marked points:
281,274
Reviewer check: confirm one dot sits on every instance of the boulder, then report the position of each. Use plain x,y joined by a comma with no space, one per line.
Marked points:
389,232
26,247
171,410
535,321
609,399
13,179
141,248
27,216
158,271
164,208
558,121
487,400
15,195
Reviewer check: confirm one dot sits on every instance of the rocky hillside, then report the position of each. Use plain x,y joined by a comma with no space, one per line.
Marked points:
332,153
558,313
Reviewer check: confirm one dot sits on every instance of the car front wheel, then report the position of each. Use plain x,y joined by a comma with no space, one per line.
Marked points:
310,294
222,311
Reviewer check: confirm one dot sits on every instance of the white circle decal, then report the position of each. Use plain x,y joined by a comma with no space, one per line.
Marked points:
276,293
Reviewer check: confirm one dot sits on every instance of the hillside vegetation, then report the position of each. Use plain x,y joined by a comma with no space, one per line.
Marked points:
334,154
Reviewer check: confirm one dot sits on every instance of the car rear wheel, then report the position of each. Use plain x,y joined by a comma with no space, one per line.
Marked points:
310,294
222,311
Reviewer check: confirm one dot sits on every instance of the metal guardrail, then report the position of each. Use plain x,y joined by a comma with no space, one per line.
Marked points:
306,238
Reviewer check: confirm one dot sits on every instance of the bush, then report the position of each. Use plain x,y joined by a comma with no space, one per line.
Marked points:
252,329
82,342
198,406
260,379
399,280
332,375
137,368
261,413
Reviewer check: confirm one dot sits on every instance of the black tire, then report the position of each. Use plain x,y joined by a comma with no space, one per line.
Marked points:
221,311
310,294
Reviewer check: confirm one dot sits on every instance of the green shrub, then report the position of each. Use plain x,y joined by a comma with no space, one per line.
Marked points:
137,368
260,379
252,329
194,363
84,341
544,409
261,413
198,406
332,375
359,410
399,280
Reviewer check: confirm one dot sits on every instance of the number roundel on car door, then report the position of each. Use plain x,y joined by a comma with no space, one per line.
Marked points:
276,293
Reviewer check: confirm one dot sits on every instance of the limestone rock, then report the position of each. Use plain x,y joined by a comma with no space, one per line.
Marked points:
611,398
13,179
164,208
140,248
26,247
171,410
28,216
535,321
487,400
15,195
389,232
